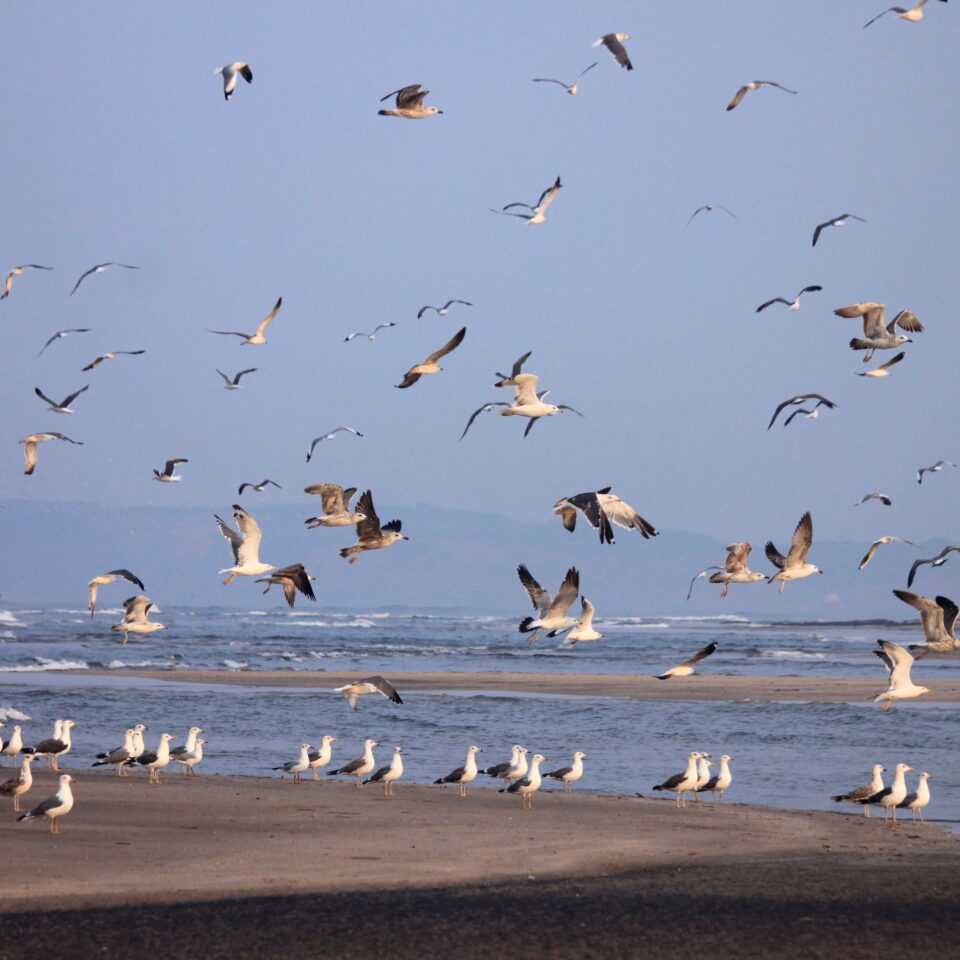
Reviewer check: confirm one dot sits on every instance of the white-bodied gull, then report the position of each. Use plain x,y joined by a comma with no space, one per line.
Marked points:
682,783
245,546
868,556
912,14
444,310
135,618
583,631
793,304
168,474
360,688
389,774
891,797
571,88
234,382
857,794
754,85
709,208
230,73
720,782
794,565
834,222
59,805
527,786
876,495
898,662
257,336
465,774
551,611
99,268
409,103
795,401
687,668
373,334
64,405
60,334
571,774
259,487
916,801
112,355
322,757
884,369
538,214
298,766
331,436
361,766
938,561
934,468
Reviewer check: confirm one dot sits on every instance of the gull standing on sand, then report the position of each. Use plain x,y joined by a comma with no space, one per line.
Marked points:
735,569
135,618
298,766
465,774
882,497
18,272
120,756
519,770
938,561
257,336
682,783
876,336
704,763
754,85
190,760
686,668
583,630
709,208
30,447
527,786
19,785
321,758
798,399
912,14
112,355
600,508
259,487
430,365
234,383
794,565
901,687
369,336
360,767
335,503
834,222
59,805
156,760
861,793
60,334
571,88
884,369
169,475
936,468
14,746
331,436
111,576
720,782
938,618
891,797
245,545
360,688
916,801
539,211
64,405
292,579
371,535
59,745
189,745
389,775
868,556
526,403
230,72
499,769
551,611
444,310
409,103
569,775
793,304
99,268
614,43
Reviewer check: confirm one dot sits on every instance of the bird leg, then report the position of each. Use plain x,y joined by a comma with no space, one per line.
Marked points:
16,804
887,706
783,583
315,775
723,592
53,763
354,558
53,825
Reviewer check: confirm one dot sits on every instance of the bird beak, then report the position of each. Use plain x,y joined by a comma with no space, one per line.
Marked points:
406,538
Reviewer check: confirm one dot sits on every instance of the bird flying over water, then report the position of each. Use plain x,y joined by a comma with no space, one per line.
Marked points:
834,222
259,487
571,88
876,336
245,546
135,618
234,384
360,688
709,208
938,561
409,103
686,668
370,534
551,611
373,334
935,468
99,268
793,304
912,14
800,398
30,447
64,405
614,43
735,569
539,211
868,556
335,503
754,85
794,565
17,272
600,508
230,73
292,579
430,365
168,475
444,310
583,629
63,333
257,336
112,356
103,579
331,436
899,662
938,618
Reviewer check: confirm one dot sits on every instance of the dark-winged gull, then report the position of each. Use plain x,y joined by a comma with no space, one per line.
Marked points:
499,769
168,474
682,783
182,754
518,770
409,103
190,760
372,335
891,797
916,801
120,756
912,14
112,355
60,804
322,757
361,766
230,73
720,782
600,508
754,85
868,556
938,618
794,565
884,369
59,745
64,405
99,268
331,436
371,535
798,399
259,487
571,88
233,383
686,668
135,618
465,774
735,569
876,336
834,222
527,786
527,402
901,687
245,546
18,272
793,304
938,561
292,579
571,774
551,611
30,447
389,774
360,688
442,311
866,790
882,497
298,766
509,380
257,336
538,214
583,631
111,576
430,365
60,334
19,785
935,468
704,763
709,208
614,43
335,503
156,760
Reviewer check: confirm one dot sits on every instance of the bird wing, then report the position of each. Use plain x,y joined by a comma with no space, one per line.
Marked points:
623,515
879,15
411,96
701,654
242,373
702,573
776,413
763,306
950,611
369,527
619,51
29,456
231,333
737,557
170,465
331,497
932,613
85,274
774,555
802,538
249,549
567,513
136,609
589,504
525,389
868,556
424,309
236,541
385,687
549,80
265,322
538,596
906,320
779,86
409,379
902,662
737,97
45,398
585,71
568,592
476,413
448,347
127,575
548,195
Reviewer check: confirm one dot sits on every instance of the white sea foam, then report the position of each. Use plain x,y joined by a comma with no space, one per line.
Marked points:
8,713
235,664
792,655
359,622
7,617
43,664
7,635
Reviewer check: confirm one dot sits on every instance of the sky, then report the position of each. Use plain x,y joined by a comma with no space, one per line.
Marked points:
118,145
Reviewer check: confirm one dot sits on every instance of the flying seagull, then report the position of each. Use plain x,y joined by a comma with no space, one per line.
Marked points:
686,668
884,369
876,336
614,43
793,304
882,497
868,556
63,333
409,103
330,436
539,211
168,475
583,629
135,618
809,414
936,468
794,565
64,405
444,310
600,508
430,365
938,618
754,85
938,561
18,271
360,688
259,487
234,384
30,447
510,381
912,14
230,73
99,268
835,222
551,611
700,576
335,503
735,569
112,356
292,579
370,336
257,336
800,398
245,545
526,403
103,579
571,88
370,534
899,662
709,208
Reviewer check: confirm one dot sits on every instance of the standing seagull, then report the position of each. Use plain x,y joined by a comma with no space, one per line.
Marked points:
465,774
720,782
898,661
913,14
527,786
99,268
868,556
230,73
936,468
916,801
735,569
18,272
681,783
614,43
794,565
181,754
135,618
335,503
600,508
709,208
168,475
234,384
834,222
361,766
390,774
430,365
583,630
884,369
112,355
30,447
292,579
409,103
371,535
441,311
864,791
321,758
298,766
60,334
64,405
569,775
20,784
59,745
686,668
540,210
793,304
876,335
571,88
891,797
245,544
360,688
121,756
60,804
257,336
551,611
259,487
798,399
499,769
103,579
938,561
754,85
331,436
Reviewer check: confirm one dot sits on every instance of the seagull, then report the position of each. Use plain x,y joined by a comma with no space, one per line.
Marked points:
430,365
19,785
570,775
735,569
551,611
465,774
320,758
583,629
519,769
699,576
18,272
884,369
60,334
936,468
898,661
868,556
499,769
298,766
600,508
754,85
60,804
30,447
442,311
99,268
686,668
389,775
916,801
834,222
371,535
370,336
112,355
111,576
800,398
527,786
168,475
794,565
720,782
681,783
793,304
913,14
891,797
877,336
809,414
230,73
882,497
259,487
360,767
121,756
867,790
183,753
571,88
409,103
14,746
335,502
330,436
710,207
526,403
938,618
360,688
703,774
189,760
539,211
614,43
135,618
234,384
510,381
245,544
64,405
257,336
292,579
59,745
938,561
